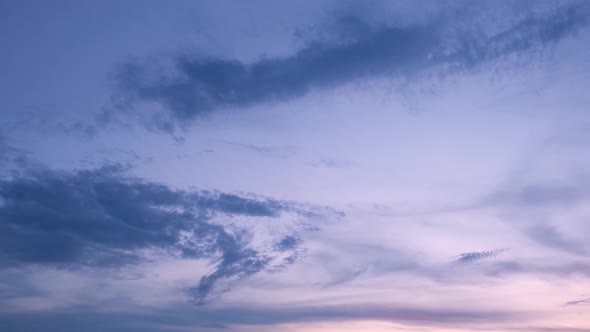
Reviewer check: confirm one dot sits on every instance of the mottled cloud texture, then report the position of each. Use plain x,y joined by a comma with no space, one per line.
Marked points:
103,218
199,85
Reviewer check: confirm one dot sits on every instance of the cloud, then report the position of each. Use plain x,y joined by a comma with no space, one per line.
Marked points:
568,192
46,120
235,262
547,268
329,163
103,218
281,151
535,205
308,314
262,317
577,302
288,243
551,237
11,157
197,86
474,257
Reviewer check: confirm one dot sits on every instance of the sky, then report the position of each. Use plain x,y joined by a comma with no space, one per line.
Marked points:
298,166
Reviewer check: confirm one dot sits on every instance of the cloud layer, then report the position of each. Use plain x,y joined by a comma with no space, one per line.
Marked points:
445,130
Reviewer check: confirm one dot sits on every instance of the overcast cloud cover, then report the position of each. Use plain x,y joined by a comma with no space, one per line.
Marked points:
298,166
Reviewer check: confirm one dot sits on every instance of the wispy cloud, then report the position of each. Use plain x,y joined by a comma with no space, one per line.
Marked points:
329,163
478,256
267,150
549,236
578,302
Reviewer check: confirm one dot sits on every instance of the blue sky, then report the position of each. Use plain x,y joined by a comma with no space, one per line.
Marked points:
304,166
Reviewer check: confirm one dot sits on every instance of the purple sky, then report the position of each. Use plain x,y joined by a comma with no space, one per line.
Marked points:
300,166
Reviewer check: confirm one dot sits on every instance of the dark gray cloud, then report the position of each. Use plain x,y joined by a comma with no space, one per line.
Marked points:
198,85
288,243
235,262
103,218
197,318
474,257
392,313
577,302
292,246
